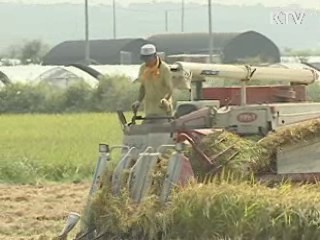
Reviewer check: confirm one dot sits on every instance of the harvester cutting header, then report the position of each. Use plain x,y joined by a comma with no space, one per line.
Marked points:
245,111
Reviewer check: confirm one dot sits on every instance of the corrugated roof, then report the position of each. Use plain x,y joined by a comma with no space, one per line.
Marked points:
187,43
101,51
231,46
251,44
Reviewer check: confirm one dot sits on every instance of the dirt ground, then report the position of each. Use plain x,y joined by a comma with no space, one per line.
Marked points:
38,212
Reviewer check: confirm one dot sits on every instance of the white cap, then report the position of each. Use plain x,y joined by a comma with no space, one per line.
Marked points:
148,49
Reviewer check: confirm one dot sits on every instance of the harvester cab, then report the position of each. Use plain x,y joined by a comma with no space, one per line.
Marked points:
151,139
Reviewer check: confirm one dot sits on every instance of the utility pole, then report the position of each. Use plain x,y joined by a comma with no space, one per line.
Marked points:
87,43
182,16
114,20
210,31
166,20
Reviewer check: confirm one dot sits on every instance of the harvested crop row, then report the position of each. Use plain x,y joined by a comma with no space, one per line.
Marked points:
214,211
220,209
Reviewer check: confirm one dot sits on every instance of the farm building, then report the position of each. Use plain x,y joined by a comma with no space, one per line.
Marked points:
229,47
232,47
102,52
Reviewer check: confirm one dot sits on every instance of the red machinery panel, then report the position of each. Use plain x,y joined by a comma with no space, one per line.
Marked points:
256,94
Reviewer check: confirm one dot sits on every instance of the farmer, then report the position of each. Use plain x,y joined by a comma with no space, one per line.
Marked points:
155,84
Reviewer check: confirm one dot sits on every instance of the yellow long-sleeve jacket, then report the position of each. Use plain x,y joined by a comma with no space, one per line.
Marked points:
156,85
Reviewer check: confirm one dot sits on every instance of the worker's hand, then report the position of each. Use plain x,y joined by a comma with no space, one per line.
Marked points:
135,106
164,104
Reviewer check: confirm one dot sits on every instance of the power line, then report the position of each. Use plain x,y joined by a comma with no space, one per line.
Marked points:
169,10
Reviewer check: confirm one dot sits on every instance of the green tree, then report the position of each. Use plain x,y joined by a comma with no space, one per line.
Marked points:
33,51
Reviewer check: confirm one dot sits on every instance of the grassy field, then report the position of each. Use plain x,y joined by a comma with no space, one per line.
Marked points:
64,148
53,147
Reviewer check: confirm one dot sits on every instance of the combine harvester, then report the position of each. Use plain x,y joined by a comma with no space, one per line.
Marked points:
249,111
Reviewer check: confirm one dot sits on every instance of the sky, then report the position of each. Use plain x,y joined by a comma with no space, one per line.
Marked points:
315,4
